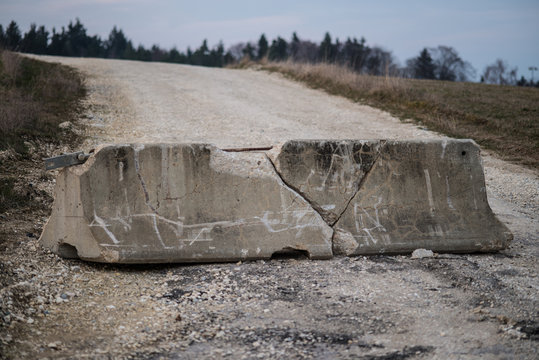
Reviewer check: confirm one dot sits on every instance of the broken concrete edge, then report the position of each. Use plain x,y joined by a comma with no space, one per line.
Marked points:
341,242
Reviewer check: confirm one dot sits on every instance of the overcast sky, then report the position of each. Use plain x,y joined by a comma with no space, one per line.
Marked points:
480,30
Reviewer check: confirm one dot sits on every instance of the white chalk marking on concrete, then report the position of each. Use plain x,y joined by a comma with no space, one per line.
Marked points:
368,231
429,190
127,226
449,202
120,171
198,238
154,219
101,223
164,170
444,144
473,190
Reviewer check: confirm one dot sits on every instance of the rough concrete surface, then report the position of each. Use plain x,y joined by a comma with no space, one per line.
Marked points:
467,306
423,194
180,203
196,203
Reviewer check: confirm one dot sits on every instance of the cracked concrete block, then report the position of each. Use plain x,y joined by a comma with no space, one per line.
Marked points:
180,203
326,173
421,194
196,203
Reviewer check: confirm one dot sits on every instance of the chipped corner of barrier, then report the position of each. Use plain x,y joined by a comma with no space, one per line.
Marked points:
69,159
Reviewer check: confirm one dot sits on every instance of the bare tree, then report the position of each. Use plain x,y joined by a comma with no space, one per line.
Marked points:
236,51
306,51
449,65
380,62
500,73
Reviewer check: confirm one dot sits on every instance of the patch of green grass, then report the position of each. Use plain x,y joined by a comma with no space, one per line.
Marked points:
504,119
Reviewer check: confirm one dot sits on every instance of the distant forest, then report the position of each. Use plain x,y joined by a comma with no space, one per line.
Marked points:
441,63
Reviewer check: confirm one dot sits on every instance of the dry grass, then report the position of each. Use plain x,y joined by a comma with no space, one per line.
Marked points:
501,118
36,97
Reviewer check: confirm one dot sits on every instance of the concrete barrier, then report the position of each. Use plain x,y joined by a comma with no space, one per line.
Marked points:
396,196
197,203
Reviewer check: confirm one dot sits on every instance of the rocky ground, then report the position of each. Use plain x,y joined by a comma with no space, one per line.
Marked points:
380,307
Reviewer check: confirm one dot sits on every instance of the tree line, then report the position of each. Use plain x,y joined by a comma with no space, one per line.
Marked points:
441,63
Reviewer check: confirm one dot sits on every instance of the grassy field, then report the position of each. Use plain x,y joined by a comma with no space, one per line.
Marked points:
35,97
504,119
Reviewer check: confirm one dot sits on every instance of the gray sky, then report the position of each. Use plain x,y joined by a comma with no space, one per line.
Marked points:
480,30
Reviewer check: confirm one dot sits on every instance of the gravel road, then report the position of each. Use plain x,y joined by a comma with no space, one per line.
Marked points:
380,307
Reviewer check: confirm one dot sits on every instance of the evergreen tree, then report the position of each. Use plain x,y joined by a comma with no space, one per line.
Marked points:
96,48
355,53
76,40
249,51
217,55
35,40
157,54
201,55
228,58
262,47
13,36
278,50
116,45
175,56
423,66
521,82
142,54
327,49
2,37
294,46
57,44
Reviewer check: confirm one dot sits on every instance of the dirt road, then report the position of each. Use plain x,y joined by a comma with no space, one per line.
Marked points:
381,307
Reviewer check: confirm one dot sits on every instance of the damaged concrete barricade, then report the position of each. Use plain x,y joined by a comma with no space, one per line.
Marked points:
180,203
197,203
396,196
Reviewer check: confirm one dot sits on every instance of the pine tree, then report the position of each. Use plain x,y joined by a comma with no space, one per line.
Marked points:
278,50
76,40
13,36
35,40
2,37
327,49
262,47
116,44
294,46
424,66
57,45
249,51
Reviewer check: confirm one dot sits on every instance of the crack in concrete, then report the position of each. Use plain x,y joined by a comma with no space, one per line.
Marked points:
316,208
300,195
361,182
141,179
